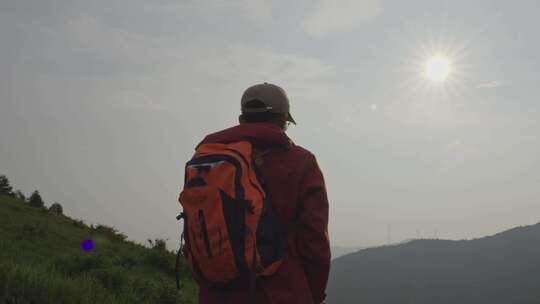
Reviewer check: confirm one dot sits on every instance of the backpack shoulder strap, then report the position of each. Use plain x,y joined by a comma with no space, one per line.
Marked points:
258,156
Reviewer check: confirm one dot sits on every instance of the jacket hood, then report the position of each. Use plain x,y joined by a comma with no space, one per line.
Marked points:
259,134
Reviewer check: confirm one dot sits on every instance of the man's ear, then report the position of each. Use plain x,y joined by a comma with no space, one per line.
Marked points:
284,119
240,119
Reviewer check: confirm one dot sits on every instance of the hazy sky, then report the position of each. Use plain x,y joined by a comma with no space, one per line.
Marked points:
102,102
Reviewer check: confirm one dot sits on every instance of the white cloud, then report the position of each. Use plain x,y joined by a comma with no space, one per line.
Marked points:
120,45
228,70
459,149
256,11
489,85
150,72
212,78
458,153
340,15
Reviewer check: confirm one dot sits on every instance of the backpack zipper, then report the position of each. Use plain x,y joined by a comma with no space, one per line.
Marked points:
239,190
204,232
195,241
220,240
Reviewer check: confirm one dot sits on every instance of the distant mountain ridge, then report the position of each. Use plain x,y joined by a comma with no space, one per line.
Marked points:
503,268
339,251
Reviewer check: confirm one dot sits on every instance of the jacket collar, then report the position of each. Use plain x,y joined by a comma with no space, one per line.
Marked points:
259,134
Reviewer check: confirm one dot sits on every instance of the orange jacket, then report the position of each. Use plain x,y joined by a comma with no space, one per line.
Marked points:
297,191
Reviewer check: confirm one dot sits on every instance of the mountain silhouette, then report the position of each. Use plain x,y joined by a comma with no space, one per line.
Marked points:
503,268
339,251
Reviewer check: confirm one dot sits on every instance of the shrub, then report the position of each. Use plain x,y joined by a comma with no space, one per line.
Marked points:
125,261
78,223
20,195
78,264
113,278
162,260
32,231
32,284
109,232
153,292
167,294
158,244
56,208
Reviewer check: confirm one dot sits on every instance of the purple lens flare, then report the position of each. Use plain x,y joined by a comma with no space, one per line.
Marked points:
87,245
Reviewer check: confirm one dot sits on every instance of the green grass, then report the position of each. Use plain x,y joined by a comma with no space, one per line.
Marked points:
41,262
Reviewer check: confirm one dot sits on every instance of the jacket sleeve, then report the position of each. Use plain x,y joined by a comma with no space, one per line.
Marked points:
312,242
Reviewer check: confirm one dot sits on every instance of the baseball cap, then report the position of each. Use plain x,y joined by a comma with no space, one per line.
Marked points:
273,97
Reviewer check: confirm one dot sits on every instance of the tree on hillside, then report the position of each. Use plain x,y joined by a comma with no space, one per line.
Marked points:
35,200
5,187
56,208
158,244
20,195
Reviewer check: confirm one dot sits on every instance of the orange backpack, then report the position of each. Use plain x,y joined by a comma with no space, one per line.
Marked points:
230,228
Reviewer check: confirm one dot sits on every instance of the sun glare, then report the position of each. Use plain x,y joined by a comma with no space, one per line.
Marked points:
438,68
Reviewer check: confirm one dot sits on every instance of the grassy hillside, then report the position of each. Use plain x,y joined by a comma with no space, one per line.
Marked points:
41,261
500,269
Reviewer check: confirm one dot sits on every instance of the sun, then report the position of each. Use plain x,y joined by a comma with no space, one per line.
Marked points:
438,68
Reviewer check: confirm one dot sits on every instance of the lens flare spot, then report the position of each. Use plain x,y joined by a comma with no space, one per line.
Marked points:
438,68
87,245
